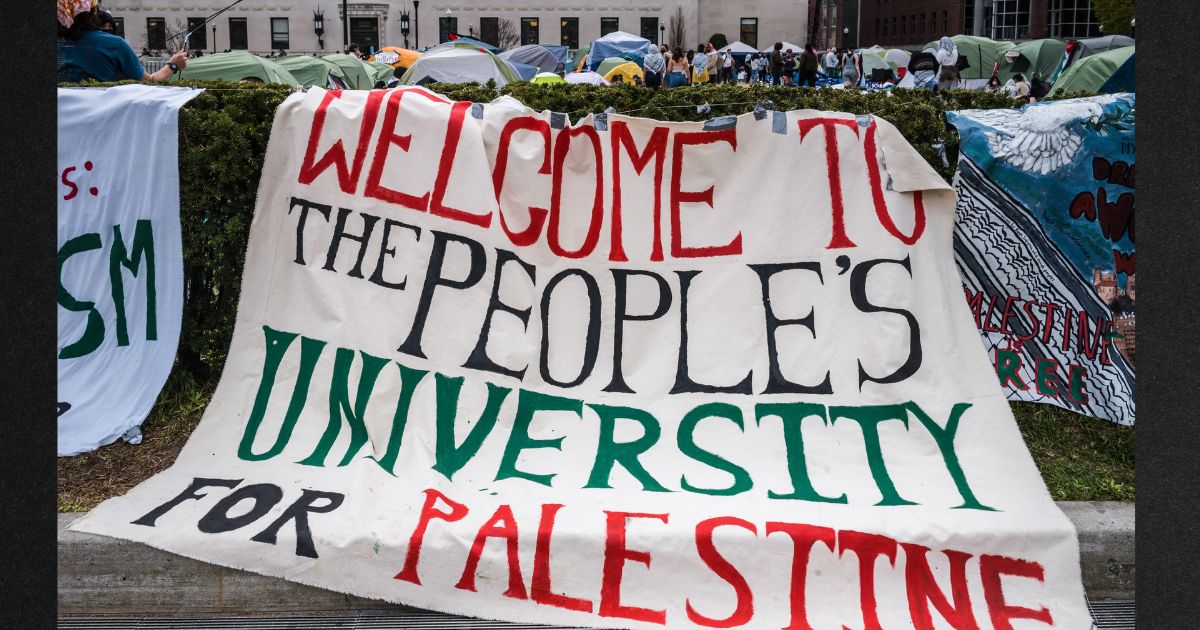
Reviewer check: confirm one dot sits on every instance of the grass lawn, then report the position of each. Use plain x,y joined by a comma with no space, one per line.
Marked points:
1081,458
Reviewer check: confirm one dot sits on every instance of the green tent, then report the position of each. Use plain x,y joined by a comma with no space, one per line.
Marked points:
310,71
1091,73
235,66
1039,58
545,78
383,72
358,73
982,53
872,59
610,63
577,58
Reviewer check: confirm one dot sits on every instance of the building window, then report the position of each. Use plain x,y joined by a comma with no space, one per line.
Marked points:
119,27
749,32
529,32
569,29
364,31
1072,19
968,17
237,34
489,30
650,29
609,25
446,25
156,33
1010,19
945,22
279,34
198,40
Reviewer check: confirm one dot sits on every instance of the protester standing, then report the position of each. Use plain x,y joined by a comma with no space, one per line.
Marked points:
776,64
947,58
808,66
851,68
831,63
677,69
654,66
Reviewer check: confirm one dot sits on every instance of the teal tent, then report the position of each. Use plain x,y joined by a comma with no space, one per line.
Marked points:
1097,73
236,66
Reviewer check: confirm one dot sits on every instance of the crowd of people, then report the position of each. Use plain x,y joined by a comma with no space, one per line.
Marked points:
676,67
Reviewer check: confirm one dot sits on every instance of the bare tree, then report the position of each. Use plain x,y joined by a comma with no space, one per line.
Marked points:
676,29
176,36
507,34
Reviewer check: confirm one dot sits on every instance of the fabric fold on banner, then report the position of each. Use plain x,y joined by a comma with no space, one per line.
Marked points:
120,257
650,375
1044,242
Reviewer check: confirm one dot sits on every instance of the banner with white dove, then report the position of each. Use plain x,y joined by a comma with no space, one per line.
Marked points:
1044,241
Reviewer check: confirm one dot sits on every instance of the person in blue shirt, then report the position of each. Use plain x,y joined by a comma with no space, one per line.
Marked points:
85,52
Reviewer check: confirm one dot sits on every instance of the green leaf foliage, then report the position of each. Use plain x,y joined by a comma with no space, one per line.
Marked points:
223,137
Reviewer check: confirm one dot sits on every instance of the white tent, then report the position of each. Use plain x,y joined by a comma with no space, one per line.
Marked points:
794,48
459,64
738,47
898,57
590,78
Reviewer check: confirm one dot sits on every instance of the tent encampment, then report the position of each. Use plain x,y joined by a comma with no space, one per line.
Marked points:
533,55
546,78
616,44
1106,73
590,78
450,63
236,66
459,39
982,54
395,56
627,72
1037,58
358,73
310,71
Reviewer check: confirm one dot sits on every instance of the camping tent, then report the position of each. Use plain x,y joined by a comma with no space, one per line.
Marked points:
1038,58
898,57
475,42
524,71
561,53
614,45
786,45
447,63
610,63
872,61
1096,45
578,58
627,72
982,53
738,48
1096,73
358,73
381,71
544,78
533,55
235,66
590,78
395,56
310,71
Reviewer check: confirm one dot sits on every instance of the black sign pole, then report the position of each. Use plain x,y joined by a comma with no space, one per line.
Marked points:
345,28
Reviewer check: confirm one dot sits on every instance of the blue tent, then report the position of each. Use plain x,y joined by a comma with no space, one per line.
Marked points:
562,53
524,70
618,44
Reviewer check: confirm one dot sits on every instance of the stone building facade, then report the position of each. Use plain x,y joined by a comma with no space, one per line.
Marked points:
262,26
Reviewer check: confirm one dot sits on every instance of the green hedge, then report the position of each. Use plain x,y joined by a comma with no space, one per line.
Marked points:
223,137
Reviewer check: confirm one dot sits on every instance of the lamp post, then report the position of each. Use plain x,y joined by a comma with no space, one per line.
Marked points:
662,32
214,39
319,27
416,24
846,37
404,26
345,28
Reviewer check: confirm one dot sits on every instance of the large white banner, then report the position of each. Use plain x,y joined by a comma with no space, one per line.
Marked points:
120,259
620,373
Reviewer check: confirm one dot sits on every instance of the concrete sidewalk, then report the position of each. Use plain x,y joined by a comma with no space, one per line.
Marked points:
100,576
